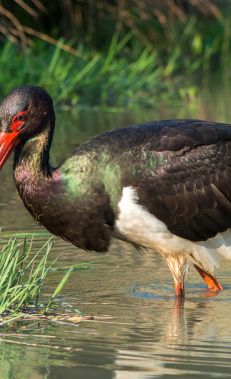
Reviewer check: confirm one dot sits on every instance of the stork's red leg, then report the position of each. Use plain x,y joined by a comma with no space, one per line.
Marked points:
211,282
179,289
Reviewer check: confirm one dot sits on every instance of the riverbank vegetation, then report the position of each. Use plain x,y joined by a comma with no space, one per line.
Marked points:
117,55
23,274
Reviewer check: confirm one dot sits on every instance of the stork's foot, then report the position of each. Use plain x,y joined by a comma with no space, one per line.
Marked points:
211,282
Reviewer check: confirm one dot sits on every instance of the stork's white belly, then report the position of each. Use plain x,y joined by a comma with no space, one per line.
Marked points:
137,225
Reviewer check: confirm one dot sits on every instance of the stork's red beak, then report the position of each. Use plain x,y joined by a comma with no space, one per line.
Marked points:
7,143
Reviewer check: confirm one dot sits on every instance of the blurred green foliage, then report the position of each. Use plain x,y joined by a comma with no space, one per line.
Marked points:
119,53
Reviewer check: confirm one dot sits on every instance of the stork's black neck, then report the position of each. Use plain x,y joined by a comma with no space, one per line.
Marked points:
31,158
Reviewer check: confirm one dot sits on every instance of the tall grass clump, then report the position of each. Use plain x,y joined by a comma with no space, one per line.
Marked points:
124,73
120,53
100,78
116,77
22,276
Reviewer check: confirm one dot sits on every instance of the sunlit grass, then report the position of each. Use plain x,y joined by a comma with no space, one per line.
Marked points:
119,76
125,73
22,276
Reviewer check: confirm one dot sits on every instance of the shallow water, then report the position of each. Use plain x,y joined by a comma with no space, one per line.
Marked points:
147,336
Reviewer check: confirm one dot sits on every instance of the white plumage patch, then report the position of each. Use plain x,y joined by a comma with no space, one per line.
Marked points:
135,224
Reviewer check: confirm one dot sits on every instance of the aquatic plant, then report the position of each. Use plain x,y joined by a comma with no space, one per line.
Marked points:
22,276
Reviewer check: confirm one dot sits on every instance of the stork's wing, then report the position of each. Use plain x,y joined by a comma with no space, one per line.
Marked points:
191,191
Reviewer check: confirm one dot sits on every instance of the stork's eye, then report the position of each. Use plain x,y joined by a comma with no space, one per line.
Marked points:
20,117
18,120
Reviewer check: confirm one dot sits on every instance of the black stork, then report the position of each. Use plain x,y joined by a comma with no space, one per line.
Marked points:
163,185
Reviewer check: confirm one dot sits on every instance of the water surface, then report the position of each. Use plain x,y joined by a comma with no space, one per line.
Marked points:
148,337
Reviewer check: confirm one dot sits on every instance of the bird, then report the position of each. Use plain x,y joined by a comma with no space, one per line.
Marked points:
163,186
